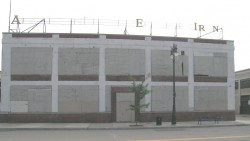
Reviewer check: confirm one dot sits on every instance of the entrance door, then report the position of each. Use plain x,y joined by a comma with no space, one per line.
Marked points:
245,104
123,113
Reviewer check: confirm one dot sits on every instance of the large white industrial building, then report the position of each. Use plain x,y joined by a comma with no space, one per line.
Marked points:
58,77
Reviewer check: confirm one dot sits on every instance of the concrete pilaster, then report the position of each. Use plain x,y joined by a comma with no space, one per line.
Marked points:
55,79
191,80
102,80
230,81
148,76
6,76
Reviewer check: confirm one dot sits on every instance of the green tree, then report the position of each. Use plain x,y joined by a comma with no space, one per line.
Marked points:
140,90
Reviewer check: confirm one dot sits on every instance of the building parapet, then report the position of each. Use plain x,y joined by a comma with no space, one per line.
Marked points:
116,36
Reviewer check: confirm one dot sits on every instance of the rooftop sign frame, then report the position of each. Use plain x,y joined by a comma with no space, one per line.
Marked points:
108,26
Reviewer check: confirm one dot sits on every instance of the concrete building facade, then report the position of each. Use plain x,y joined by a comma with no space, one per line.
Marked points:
51,77
242,91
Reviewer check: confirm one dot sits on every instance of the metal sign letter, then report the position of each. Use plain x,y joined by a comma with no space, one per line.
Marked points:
215,28
139,23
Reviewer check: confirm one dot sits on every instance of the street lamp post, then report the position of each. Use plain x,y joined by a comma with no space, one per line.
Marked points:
173,54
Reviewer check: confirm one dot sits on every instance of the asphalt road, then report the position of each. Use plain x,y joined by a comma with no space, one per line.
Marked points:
236,133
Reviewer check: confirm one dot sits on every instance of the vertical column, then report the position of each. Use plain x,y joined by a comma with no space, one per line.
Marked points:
237,99
230,80
55,79
191,80
239,89
148,76
6,75
102,90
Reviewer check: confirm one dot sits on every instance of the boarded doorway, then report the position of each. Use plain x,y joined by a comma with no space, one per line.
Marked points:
121,98
123,113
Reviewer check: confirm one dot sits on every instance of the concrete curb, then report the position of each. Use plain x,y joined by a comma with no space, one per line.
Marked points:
116,128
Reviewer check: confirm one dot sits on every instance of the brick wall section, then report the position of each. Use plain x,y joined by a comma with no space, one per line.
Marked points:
128,37
209,79
188,116
78,77
106,117
125,77
158,78
210,41
30,77
78,35
56,118
159,38
33,35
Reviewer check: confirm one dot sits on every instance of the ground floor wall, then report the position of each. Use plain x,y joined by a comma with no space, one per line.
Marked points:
83,103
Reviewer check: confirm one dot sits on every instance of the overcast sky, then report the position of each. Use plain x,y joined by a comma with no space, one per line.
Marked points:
232,15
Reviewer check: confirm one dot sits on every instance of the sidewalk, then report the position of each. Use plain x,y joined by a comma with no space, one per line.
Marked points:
241,120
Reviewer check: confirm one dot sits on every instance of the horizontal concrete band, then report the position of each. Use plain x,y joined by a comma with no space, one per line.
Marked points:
155,78
106,117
